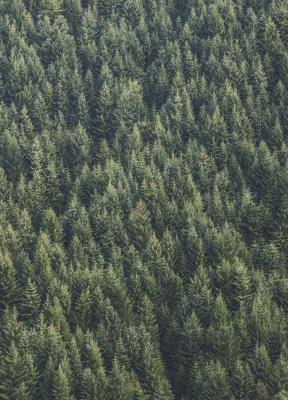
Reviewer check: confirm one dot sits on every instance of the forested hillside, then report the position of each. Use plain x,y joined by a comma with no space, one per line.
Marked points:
143,200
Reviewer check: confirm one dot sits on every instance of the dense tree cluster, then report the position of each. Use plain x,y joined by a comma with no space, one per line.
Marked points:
143,200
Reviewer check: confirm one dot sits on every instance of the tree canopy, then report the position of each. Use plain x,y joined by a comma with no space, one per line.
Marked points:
143,200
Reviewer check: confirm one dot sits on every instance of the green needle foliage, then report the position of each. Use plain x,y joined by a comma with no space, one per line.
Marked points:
143,200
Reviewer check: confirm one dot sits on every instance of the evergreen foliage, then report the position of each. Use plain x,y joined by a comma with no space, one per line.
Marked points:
143,200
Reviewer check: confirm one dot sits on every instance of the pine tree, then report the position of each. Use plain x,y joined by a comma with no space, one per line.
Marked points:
95,373
104,118
130,106
37,187
214,382
17,374
124,385
220,335
139,225
147,317
61,385
8,282
89,383
52,226
243,381
42,264
12,330
30,302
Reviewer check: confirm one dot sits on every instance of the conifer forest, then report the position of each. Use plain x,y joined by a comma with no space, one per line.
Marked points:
143,200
